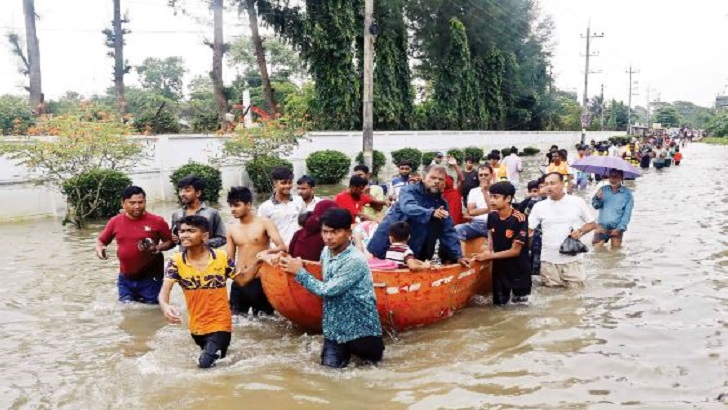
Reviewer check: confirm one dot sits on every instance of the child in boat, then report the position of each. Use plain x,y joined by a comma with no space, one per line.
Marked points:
399,252
203,273
507,247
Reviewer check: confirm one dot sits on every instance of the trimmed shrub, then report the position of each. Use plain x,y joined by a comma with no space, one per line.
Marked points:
427,158
530,151
96,194
378,161
505,152
259,170
328,166
458,154
407,154
617,139
474,152
211,176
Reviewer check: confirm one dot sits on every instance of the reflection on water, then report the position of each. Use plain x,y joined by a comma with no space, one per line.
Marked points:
649,330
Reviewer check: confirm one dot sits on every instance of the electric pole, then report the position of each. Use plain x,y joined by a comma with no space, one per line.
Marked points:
589,36
601,111
629,105
368,109
648,109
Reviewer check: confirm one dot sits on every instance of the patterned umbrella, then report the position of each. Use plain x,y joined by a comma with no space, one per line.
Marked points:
601,166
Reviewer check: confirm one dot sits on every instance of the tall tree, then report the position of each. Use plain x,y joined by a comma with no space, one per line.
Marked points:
35,88
163,76
115,41
218,52
270,97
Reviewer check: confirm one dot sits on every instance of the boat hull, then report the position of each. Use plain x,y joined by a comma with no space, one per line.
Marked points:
405,299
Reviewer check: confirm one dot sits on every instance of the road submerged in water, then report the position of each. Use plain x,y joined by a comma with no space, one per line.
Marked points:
649,330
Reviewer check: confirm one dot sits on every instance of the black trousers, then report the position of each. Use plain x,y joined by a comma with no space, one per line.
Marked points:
503,287
210,344
243,298
368,348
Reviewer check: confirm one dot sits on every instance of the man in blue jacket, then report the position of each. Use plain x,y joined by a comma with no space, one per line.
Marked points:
421,205
615,203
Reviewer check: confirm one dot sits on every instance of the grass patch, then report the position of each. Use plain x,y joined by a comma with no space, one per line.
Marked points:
715,140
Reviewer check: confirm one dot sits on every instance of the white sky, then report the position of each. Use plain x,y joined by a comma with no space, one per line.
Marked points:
679,47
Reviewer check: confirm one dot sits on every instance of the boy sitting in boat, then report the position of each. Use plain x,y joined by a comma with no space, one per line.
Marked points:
203,273
399,252
507,247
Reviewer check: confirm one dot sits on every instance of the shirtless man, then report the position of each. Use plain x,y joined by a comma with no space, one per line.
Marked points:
247,242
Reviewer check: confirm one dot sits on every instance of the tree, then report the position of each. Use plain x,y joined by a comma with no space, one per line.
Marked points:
83,142
115,41
35,88
285,63
667,116
274,137
257,40
617,116
163,76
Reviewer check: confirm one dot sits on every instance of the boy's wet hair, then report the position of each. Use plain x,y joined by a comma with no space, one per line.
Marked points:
405,163
239,194
198,221
357,181
363,168
132,190
337,218
504,188
472,159
399,231
306,180
494,156
197,183
533,184
281,174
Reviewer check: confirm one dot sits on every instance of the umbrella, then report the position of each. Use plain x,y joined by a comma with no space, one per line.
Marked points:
601,166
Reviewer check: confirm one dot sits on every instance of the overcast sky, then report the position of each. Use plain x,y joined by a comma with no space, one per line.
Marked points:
678,47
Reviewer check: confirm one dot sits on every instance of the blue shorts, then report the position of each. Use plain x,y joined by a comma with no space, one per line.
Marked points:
144,290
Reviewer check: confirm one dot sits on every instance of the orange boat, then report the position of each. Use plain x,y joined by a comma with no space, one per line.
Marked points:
405,299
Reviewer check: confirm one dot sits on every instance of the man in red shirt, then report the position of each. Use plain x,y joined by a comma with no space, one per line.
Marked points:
354,198
141,237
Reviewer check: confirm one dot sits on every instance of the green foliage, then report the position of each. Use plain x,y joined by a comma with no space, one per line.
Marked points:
201,109
212,177
328,166
378,161
617,116
474,152
667,116
163,76
458,154
284,62
16,115
273,137
259,171
412,155
427,158
620,139
530,151
96,193
152,112
505,152
77,144
298,104
718,127
715,140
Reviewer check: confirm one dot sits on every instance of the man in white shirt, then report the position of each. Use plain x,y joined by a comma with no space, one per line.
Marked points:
307,191
560,215
283,208
514,167
613,150
478,207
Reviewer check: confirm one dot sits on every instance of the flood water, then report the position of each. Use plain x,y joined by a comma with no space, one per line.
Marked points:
649,330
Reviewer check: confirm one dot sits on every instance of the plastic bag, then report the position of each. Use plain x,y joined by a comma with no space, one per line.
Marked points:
572,247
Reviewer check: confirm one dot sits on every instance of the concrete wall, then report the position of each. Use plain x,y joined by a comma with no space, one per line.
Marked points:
169,152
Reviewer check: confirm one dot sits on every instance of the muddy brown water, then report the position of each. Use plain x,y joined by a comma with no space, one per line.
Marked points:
649,330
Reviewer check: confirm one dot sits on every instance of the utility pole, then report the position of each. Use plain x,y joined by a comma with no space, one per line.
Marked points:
601,111
649,120
629,105
589,36
368,109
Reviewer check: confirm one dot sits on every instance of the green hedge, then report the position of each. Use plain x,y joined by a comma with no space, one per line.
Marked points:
530,151
211,176
407,154
81,192
474,152
378,161
259,170
625,139
427,158
328,166
458,154
505,152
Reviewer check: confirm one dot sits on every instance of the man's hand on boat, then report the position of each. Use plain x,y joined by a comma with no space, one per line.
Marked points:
464,261
291,265
440,213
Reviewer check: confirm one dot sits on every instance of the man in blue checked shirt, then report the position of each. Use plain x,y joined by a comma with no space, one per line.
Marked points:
351,323
614,202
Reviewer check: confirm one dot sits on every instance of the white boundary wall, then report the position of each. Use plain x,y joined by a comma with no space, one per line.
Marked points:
169,152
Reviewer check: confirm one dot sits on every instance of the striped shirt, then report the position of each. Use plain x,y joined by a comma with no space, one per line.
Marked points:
399,253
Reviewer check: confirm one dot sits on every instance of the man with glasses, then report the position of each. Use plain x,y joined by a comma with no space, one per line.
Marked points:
478,207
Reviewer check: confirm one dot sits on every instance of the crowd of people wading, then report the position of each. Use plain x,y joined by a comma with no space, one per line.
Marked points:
417,221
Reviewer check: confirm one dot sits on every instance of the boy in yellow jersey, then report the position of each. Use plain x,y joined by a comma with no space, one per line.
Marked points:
203,273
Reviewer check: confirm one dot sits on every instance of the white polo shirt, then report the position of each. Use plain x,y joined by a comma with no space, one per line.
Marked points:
283,214
557,219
